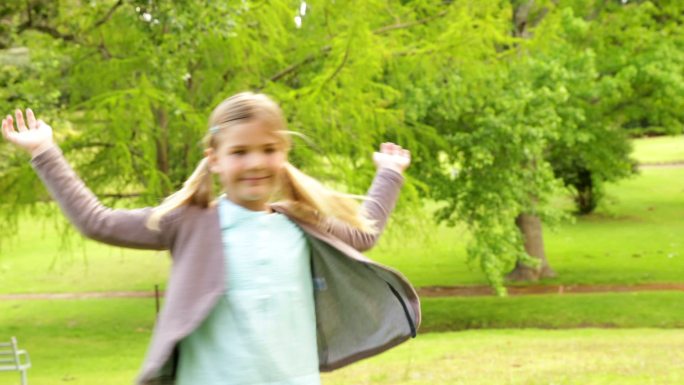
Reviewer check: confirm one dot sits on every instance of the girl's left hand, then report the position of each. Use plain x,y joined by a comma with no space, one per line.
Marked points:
392,156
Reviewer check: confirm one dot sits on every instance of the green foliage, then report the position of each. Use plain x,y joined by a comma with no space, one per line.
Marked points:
495,121
590,149
498,115
641,46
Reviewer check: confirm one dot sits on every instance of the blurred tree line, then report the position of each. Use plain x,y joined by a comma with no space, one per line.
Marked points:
504,103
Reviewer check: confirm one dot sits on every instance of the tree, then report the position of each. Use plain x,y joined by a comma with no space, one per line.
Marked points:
502,103
632,55
495,125
131,82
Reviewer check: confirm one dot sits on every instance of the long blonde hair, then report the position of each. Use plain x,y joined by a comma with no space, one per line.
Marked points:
304,196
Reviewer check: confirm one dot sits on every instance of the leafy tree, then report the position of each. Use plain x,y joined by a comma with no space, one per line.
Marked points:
129,84
501,102
633,59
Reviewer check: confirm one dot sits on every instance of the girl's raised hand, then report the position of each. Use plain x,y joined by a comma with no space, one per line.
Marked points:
34,136
392,156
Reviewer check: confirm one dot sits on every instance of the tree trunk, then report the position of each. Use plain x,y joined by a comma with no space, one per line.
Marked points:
162,143
530,227
586,198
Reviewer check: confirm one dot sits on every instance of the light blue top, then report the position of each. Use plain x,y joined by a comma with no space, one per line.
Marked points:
263,330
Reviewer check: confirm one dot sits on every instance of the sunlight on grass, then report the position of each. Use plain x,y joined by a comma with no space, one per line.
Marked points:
34,262
527,357
659,149
634,237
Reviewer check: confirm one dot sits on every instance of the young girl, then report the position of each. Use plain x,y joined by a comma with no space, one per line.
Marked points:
268,284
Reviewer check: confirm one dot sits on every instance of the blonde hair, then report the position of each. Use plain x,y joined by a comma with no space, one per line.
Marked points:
305,197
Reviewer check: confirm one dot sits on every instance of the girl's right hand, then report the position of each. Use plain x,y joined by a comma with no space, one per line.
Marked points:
34,139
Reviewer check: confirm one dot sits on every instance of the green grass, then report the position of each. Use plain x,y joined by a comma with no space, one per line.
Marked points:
659,149
552,311
34,262
103,342
526,357
79,342
634,237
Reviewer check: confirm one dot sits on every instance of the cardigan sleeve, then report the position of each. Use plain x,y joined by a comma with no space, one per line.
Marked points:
112,226
382,195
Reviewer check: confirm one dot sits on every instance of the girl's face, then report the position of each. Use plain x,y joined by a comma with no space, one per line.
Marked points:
248,160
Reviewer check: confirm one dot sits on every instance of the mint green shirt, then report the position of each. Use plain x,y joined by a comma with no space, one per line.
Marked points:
263,329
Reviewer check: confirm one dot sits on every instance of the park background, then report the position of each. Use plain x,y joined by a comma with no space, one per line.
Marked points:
541,218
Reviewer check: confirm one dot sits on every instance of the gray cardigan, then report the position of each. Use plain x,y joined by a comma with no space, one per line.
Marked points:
362,307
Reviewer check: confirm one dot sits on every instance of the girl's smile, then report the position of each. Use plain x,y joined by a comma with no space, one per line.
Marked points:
248,161
257,179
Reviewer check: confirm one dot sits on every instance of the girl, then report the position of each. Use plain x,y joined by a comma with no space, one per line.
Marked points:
268,284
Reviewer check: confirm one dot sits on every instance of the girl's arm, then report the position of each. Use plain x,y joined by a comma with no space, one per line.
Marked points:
117,227
390,162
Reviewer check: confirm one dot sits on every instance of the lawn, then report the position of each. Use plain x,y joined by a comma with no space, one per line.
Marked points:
79,342
659,149
103,341
552,311
34,263
527,357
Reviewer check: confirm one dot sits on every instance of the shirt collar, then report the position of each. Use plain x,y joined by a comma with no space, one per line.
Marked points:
230,213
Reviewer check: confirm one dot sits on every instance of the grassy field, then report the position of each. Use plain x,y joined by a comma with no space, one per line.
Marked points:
527,357
659,149
551,311
34,263
103,342
79,342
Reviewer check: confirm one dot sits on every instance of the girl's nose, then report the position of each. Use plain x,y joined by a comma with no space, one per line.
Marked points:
256,160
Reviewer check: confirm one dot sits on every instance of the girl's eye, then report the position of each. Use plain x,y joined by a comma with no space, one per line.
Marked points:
238,153
271,150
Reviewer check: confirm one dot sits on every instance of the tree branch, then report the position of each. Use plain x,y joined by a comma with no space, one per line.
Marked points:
48,30
29,16
393,27
339,67
106,55
411,52
107,16
120,196
52,31
81,146
294,67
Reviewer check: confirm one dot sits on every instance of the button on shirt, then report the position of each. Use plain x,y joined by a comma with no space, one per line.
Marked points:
262,331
